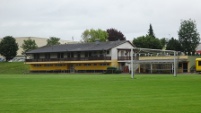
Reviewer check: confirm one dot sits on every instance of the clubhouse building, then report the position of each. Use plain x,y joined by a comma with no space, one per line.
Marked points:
81,57
97,56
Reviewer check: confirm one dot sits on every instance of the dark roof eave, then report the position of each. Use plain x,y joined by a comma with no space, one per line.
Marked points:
67,51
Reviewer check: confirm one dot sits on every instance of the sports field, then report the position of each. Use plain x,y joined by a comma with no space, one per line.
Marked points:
99,93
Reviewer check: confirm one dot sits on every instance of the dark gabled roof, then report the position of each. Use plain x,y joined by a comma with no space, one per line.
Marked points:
94,46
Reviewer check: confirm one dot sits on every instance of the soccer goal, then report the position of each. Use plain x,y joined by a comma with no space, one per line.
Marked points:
154,61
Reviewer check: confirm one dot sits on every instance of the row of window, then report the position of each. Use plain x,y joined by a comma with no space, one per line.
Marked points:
60,65
71,54
102,64
49,65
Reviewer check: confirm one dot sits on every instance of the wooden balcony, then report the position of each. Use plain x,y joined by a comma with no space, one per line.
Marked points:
67,59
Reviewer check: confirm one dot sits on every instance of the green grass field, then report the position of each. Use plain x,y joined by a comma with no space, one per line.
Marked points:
99,93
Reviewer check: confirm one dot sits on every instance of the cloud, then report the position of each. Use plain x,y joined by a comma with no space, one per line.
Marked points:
69,18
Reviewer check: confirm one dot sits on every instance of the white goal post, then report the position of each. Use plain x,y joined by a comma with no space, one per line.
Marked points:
135,51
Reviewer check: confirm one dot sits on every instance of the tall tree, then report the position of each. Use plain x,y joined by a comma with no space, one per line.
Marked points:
188,36
163,42
93,35
8,47
151,31
147,42
114,35
28,45
173,44
53,41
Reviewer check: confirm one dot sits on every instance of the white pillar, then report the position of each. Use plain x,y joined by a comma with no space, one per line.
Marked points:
175,64
172,69
132,72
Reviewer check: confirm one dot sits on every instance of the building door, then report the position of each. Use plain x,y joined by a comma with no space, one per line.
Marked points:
121,66
185,67
124,68
72,70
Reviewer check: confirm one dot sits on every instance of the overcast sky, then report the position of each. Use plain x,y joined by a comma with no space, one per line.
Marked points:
69,18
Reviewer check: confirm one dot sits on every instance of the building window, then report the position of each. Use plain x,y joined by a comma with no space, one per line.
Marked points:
87,64
78,54
58,65
180,65
78,64
90,54
48,65
104,64
36,56
101,52
60,55
86,54
47,56
199,63
70,55
37,65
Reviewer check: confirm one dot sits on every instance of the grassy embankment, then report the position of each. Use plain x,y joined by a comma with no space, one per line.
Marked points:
13,68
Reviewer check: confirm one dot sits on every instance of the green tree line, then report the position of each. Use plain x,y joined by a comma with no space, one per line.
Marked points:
188,40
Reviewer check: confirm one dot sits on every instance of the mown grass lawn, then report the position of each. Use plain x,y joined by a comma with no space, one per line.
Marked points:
98,93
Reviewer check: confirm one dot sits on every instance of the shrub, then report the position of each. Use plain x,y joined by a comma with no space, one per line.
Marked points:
118,71
111,70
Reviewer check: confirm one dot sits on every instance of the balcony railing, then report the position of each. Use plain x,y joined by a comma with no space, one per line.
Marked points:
124,58
67,59
127,58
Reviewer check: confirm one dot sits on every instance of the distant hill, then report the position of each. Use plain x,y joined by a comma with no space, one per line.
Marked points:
39,41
